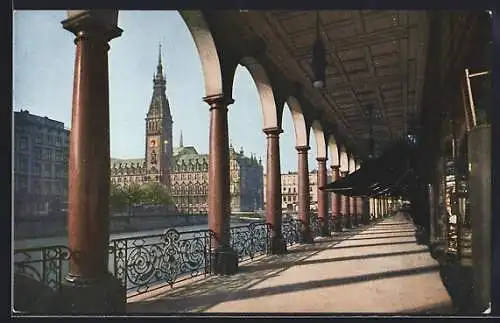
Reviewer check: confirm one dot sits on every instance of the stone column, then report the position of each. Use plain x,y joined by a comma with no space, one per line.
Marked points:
336,201
346,223
273,190
384,206
322,199
365,213
303,195
360,211
371,208
354,210
386,203
224,258
88,287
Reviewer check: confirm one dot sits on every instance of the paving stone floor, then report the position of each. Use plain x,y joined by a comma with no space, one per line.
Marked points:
371,269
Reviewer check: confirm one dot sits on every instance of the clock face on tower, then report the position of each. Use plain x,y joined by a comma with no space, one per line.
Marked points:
152,143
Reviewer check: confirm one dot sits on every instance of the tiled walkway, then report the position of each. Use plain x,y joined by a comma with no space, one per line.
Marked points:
373,269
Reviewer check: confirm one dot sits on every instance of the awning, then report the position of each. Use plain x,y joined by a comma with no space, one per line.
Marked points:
389,174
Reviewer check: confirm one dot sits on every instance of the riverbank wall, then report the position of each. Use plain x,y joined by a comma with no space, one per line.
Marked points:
43,227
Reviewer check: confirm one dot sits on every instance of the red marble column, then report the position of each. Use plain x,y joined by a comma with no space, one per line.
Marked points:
386,202
303,194
336,201
322,198
273,190
89,287
225,260
354,210
381,205
359,209
345,203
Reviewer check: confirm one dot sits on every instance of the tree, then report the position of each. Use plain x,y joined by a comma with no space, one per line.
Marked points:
117,197
156,194
133,194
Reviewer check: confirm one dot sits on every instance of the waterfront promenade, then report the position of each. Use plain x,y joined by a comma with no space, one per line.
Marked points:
372,269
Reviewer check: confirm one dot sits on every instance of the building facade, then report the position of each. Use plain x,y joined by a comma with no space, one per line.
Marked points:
40,165
182,169
289,194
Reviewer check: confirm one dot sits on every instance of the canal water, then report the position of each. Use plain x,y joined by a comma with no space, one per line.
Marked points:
63,240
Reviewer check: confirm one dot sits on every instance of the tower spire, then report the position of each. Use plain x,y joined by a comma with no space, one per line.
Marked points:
159,68
181,144
159,54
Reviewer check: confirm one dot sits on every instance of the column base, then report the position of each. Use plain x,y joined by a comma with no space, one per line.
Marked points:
348,222
359,220
103,296
355,222
337,224
278,246
324,229
224,261
366,220
306,236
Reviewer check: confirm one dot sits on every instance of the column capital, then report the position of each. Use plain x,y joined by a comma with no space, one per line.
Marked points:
273,131
335,167
302,149
218,101
95,24
321,159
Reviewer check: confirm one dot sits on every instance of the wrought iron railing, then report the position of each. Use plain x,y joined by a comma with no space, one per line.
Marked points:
149,262
290,229
46,264
250,240
315,225
145,263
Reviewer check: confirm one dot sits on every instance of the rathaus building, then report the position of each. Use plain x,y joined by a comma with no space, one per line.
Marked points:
182,169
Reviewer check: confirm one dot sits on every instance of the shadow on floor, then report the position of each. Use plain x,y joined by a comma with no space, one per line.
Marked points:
258,267
376,244
205,299
381,232
394,223
384,237
227,284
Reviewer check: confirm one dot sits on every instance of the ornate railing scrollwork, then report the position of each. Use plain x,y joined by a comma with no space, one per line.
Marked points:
48,265
148,262
315,224
290,229
251,240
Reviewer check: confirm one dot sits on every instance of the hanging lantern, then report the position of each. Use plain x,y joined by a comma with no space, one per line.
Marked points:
318,60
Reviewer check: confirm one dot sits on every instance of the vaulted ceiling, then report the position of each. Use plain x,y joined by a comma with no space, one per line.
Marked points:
375,58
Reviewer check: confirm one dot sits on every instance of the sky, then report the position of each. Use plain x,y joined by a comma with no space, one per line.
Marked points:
43,65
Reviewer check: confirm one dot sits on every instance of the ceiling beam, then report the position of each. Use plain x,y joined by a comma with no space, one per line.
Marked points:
360,40
280,33
358,21
340,67
403,61
364,83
